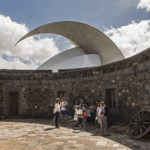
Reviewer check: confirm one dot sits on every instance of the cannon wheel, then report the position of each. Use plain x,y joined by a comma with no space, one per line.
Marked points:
140,123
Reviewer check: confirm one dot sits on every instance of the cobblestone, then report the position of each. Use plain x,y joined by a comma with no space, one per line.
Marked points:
36,134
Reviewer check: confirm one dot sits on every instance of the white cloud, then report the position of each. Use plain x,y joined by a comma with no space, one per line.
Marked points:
15,64
34,51
131,39
144,4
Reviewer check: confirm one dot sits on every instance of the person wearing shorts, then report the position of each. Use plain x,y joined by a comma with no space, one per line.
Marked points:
63,108
76,116
83,117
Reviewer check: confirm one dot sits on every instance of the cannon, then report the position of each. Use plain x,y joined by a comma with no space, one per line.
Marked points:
139,125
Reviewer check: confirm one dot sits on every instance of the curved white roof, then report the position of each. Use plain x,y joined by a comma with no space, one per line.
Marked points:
72,58
88,38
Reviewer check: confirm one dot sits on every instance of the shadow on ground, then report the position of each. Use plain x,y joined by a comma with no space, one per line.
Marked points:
142,144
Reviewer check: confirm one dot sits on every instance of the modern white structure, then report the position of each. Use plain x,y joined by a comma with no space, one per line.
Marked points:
72,58
92,47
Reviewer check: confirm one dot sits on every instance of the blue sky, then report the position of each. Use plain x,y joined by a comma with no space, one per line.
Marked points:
98,13
110,16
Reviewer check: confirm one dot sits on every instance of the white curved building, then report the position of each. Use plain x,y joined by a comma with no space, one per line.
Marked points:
92,47
72,58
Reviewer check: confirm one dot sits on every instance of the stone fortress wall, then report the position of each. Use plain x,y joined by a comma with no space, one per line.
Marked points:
126,81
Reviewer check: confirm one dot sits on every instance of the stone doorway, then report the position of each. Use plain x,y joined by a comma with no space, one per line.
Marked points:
61,94
110,97
13,103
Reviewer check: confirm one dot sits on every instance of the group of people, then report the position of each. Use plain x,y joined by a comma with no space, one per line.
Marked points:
80,115
96,113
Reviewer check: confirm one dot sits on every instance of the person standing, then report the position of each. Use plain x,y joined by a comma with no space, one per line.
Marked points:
105,116
101,116
63,108
56,112
97,111
92,113
76,110
84,116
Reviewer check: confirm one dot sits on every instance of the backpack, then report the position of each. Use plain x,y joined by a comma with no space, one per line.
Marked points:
102,112
84,115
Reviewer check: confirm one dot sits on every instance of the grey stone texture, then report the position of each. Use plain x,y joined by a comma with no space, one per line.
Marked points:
38,88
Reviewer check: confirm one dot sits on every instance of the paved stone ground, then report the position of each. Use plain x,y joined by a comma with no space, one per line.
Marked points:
38,134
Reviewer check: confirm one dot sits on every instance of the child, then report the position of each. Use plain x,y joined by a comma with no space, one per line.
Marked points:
76,110
83,116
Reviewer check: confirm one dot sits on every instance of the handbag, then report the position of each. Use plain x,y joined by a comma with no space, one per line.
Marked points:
96,118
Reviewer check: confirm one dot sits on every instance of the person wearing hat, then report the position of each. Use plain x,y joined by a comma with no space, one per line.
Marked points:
102,102
56,112
76,115
63,108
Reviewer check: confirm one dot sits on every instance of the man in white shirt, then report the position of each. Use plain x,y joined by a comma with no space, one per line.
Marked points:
63,108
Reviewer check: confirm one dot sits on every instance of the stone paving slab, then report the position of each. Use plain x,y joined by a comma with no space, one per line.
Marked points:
40,135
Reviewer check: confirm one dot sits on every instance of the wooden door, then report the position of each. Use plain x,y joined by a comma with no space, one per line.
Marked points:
110,98
13,103
61,94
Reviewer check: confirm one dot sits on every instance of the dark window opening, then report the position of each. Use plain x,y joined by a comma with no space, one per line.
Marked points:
13,103
110,98
61,94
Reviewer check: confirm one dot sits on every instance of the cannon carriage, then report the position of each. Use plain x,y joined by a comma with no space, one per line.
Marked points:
140,123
